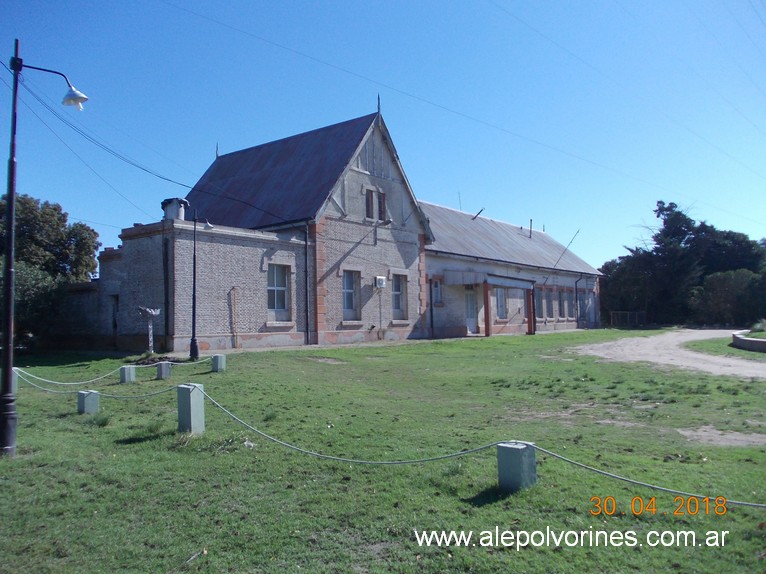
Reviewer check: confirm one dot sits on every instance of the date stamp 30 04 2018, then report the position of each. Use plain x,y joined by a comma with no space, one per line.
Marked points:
682,506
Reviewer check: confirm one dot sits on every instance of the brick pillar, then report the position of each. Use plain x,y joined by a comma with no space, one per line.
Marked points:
423,298
531,312
487,311
320,291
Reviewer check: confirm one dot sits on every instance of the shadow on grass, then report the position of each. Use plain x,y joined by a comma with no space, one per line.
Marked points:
487,496
142,438
57,358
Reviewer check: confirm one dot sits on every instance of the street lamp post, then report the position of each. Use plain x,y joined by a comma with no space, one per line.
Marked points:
193,347
8,415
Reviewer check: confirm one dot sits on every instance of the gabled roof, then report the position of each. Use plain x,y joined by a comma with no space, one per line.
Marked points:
459,233
280,182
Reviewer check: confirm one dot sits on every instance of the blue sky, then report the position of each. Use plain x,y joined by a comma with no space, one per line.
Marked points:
578,115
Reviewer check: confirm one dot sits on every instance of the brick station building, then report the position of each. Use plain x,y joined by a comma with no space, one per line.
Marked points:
318,239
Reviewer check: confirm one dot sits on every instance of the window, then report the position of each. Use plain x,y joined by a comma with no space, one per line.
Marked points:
570,304
350,289
370,204
381,206
539,303
277,291
562,309
399,296
502,308
436,290
549,303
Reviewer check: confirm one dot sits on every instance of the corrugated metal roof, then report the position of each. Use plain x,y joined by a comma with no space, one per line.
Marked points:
459,233
279,182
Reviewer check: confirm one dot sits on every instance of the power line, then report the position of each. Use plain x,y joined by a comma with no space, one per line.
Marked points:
661,111
757,13
86,164
413,96
99,143
486,123
217,192
728,53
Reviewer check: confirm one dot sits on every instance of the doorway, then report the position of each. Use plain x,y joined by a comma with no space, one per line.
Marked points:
471,311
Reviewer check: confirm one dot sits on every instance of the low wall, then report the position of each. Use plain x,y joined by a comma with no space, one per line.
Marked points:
742,341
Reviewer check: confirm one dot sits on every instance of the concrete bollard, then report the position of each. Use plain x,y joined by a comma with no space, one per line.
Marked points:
88,402
164,369
128,374
219,363
515,466
191,409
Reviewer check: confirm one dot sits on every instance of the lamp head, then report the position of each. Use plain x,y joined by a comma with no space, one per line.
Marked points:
74,97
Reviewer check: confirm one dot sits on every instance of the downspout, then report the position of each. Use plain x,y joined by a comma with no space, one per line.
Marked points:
577,301
166,286
431,305
487,311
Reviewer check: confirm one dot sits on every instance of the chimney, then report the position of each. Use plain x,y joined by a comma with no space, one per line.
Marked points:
174,208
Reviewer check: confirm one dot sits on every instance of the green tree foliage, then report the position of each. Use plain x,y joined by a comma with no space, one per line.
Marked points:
729,297
691,272
50,252
37,294
46,241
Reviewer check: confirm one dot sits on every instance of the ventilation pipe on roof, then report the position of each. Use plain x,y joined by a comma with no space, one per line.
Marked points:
174,208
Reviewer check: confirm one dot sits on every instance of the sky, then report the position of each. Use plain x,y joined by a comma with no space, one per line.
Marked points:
578,115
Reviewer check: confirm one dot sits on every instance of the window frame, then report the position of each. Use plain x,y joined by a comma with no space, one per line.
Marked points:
369,204
501,302
562,308
437,292
350,294
381,206
539,306
399,296
278,301
549,304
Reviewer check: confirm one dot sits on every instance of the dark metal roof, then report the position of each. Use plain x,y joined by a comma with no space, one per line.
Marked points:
284,181
459,233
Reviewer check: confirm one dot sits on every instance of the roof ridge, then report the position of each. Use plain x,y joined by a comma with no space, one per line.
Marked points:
499,221
302,134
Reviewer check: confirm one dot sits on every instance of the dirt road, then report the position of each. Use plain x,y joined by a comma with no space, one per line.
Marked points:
666,349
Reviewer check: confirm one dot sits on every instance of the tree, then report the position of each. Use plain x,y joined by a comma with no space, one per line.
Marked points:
729,298
37,294
47,242
49,253
675,271
719,251
625,284
692,271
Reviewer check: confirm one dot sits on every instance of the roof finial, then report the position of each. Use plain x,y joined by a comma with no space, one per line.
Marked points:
216,149
378,102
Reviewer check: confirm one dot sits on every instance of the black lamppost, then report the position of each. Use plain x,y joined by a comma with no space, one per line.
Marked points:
193,348
8,415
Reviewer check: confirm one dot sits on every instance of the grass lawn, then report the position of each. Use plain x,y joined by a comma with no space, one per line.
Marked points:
122,491
725,348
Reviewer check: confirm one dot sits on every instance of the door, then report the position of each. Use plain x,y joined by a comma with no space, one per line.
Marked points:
471,311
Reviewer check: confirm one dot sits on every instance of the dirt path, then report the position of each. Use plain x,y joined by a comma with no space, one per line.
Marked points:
666,349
